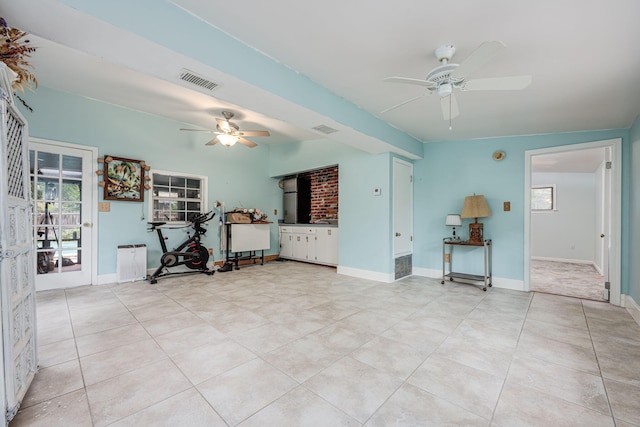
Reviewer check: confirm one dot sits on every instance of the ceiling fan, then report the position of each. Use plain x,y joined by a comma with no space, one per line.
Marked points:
228,133
448,76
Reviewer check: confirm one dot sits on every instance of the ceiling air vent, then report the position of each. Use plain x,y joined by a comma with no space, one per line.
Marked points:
325,129
195,79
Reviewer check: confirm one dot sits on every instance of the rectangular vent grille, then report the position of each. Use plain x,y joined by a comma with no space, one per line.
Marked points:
194,79
325,129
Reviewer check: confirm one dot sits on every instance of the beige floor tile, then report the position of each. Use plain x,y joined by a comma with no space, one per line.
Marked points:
524,406
239,393
266,338
156,310
470,388
121,396
57,352
54,381
564,354
486,357
300,408
71,409
184,409
578,387
204,362
354,387
118,360
411,406
625,401
390,356
252,336
172,323
186,339
106,340
303,358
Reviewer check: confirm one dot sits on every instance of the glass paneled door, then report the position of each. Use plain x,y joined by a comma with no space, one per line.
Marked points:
61,179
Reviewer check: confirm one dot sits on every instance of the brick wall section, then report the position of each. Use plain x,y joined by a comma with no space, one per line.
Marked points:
324,193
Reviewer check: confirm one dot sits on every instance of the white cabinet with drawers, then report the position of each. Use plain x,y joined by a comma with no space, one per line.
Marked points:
309,243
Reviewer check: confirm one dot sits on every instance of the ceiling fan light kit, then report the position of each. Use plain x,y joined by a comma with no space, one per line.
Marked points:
447,77
228,133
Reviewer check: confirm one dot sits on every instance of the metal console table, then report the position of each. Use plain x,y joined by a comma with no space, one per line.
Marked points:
447,258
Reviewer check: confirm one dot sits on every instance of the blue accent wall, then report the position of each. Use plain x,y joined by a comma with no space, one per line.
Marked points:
452,170
238,176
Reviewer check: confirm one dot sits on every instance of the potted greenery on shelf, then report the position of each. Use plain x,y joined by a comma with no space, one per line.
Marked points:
14,52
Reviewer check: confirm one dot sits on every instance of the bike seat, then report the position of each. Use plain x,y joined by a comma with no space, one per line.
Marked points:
156,224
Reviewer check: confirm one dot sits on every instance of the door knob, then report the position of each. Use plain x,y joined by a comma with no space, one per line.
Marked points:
87,224
397,234
602,236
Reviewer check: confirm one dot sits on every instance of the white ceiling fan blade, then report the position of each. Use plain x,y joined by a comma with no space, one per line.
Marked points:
477,59
403,103
449,107
199,130
498,83
214,141
254,133
407,80
246,142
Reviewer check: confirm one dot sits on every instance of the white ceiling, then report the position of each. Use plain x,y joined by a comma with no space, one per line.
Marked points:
583,58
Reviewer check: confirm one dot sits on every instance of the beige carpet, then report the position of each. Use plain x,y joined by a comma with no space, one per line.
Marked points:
563,278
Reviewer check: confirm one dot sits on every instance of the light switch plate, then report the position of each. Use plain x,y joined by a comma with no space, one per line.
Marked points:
507,206
104,207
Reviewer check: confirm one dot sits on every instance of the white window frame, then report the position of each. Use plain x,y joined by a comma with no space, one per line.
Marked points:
554,198
204,184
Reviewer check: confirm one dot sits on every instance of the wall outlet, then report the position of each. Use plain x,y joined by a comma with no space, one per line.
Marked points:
275,211
210,251
377,191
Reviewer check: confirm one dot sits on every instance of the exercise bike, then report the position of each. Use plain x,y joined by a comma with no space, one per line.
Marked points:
190,253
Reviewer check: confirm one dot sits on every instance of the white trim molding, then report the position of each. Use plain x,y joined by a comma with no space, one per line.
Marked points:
632,307
366,274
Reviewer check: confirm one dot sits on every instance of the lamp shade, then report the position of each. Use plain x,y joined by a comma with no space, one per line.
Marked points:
475,207
453,220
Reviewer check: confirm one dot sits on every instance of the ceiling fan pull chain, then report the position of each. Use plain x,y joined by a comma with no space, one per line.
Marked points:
450,127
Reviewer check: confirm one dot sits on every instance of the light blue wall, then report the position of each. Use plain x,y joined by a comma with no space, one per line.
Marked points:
237,176
364,219
249,177
454,169
634,221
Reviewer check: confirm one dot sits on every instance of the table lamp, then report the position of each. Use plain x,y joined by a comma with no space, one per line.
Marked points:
453,220
475,207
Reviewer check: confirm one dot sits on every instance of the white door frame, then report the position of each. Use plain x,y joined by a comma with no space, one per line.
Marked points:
93,196
403,163
615,217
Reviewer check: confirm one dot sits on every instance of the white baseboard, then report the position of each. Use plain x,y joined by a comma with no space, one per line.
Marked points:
632,307
366,274
107,279
498,282
567,260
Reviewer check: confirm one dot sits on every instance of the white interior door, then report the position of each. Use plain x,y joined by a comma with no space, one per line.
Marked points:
62,180
402,208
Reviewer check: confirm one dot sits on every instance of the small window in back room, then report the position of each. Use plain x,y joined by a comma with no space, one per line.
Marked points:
543,198
177,197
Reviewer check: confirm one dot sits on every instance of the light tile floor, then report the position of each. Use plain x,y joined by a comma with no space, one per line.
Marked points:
292,344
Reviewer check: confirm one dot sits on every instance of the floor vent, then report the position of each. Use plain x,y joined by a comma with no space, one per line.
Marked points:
195,79
325,129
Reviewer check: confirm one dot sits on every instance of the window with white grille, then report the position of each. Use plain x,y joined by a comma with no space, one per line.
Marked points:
177,197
